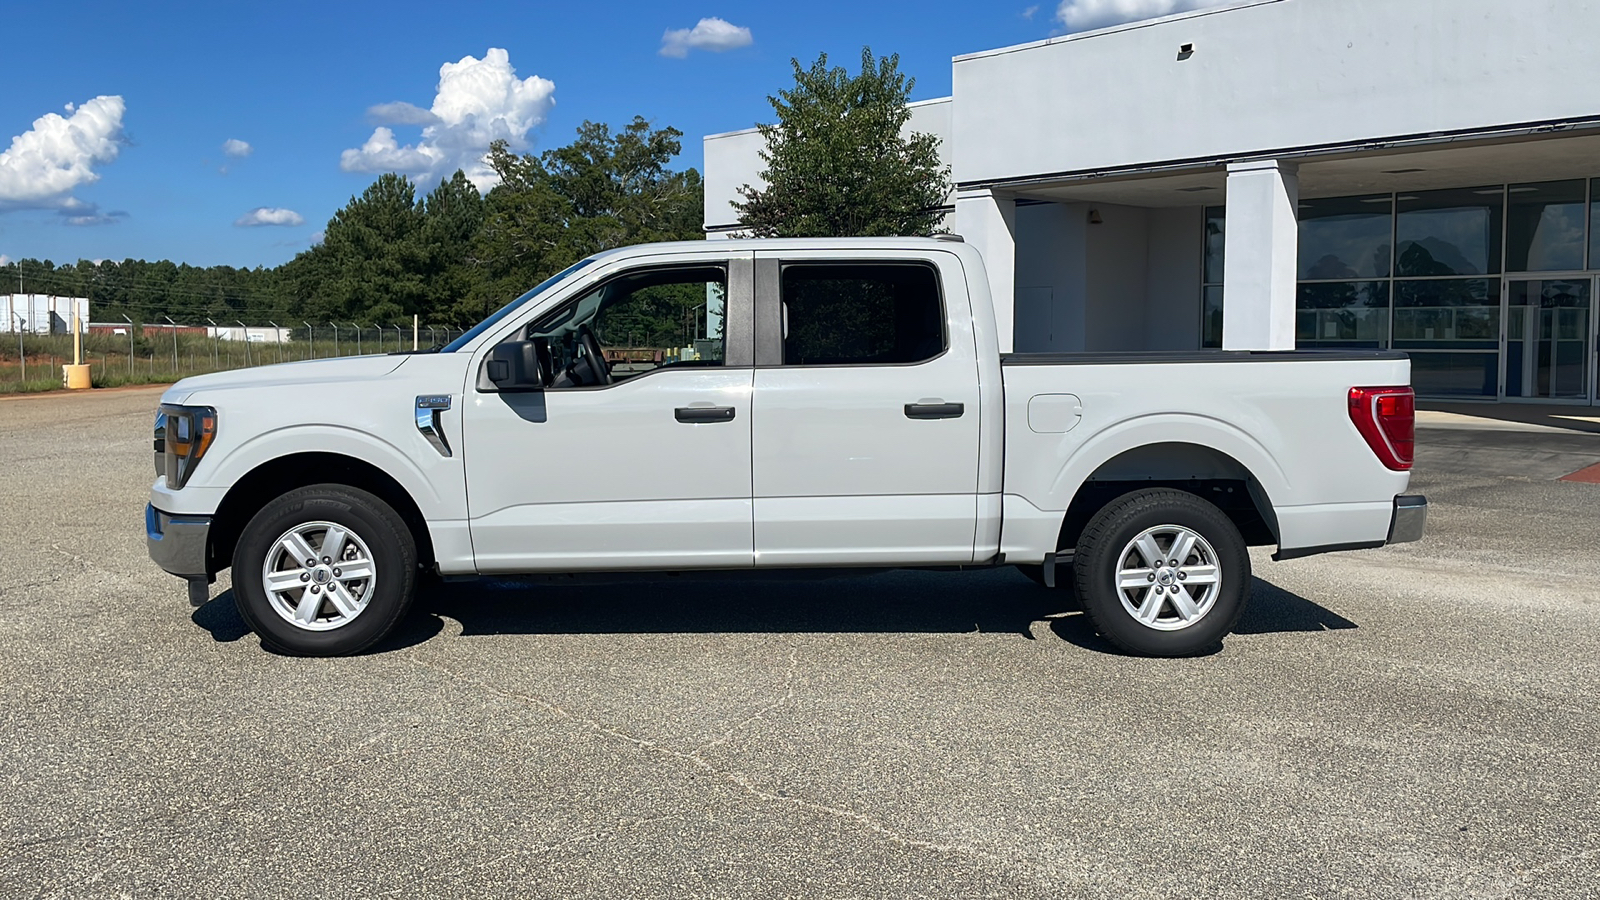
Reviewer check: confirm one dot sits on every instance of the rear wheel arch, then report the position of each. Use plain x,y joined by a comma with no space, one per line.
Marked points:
1208,473
276,477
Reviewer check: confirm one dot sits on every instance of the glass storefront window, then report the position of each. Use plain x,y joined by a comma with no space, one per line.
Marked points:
1211,316
1453,232
1216,222
1545,227
1211,279
1440,322
1342,314
1421,271
1447,314
1594,224
1454,374
1345,237
1547,339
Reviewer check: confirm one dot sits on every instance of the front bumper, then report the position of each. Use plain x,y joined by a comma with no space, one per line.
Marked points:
177,543
1409,519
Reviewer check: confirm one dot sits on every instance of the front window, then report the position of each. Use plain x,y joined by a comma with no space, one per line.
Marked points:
634,324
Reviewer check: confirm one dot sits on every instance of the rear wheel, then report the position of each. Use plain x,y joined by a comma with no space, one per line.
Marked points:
325,570
1162,573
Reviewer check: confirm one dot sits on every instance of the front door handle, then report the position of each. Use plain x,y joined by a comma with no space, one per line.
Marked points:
934,410
699,414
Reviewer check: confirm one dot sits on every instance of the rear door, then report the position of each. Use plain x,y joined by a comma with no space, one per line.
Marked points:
865,446
636,454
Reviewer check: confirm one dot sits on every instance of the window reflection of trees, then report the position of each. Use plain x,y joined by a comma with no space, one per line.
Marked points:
660,317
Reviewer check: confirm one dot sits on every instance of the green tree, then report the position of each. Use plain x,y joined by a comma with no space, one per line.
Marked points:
838,163
452,216
372,261
604,190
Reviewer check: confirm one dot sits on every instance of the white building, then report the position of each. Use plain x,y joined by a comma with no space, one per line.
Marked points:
1415,174
252,334
41,313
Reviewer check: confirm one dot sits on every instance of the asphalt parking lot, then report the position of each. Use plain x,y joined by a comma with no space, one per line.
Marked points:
1414,721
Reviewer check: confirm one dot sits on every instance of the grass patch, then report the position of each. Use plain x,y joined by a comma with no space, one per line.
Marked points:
123,379
31,386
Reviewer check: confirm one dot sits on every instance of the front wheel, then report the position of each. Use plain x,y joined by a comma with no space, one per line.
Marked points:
326,570
1162,573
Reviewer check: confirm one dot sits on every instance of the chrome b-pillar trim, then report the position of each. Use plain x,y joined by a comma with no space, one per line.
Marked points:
429,408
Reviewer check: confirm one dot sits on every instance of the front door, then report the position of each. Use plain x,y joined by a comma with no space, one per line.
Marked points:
1550,335
866,411
636,455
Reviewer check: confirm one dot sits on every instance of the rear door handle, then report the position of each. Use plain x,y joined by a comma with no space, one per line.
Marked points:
695,414
934,410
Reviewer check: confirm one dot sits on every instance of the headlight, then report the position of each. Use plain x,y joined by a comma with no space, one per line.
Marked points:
183,434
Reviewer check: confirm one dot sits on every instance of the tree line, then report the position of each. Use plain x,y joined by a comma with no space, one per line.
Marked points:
450,256
837,164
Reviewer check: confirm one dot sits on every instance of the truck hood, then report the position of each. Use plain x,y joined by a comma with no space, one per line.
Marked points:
313,371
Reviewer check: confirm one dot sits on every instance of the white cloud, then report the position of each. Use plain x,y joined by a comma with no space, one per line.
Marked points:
45,164
236,148
711,34
1030,11
317,236
477,102
1082,15
4,260
269,215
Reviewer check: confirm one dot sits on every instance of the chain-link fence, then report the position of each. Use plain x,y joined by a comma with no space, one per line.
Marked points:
158,354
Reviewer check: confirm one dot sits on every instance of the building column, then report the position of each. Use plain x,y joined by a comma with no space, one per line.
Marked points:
988,221
1260,256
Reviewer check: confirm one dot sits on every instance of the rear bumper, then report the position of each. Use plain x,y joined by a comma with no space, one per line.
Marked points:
177,543
1410,518
1407,520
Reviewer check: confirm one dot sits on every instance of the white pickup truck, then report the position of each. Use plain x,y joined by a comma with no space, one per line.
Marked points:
726,405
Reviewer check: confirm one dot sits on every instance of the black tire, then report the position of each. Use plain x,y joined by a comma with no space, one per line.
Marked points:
393,559
1100,557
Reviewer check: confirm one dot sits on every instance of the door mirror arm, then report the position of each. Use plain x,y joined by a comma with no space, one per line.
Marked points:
511,367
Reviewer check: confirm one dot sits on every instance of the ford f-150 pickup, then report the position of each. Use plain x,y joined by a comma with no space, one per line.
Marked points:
774,404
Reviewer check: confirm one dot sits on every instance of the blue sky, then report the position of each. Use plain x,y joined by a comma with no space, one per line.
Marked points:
147,176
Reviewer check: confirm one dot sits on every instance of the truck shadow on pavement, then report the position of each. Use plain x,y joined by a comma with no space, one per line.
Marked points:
998,601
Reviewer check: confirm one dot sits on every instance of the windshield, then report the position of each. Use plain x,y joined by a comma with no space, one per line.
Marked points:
512,307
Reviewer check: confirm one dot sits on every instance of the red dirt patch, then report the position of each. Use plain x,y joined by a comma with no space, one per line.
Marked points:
1590,475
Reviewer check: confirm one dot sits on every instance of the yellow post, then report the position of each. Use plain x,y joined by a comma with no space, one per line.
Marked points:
76,376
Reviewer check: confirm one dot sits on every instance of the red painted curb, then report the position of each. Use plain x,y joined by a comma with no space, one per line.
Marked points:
1590,475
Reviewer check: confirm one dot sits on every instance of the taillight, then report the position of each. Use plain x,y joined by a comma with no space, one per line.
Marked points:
1387,418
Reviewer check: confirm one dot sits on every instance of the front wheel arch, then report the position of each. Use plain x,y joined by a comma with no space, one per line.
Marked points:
276,477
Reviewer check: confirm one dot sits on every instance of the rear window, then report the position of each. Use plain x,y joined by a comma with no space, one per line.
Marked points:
861,314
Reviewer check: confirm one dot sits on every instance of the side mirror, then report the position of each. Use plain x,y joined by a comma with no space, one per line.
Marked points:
511,368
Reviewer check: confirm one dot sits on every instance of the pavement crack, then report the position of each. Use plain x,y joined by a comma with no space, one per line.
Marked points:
788,695
740,779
